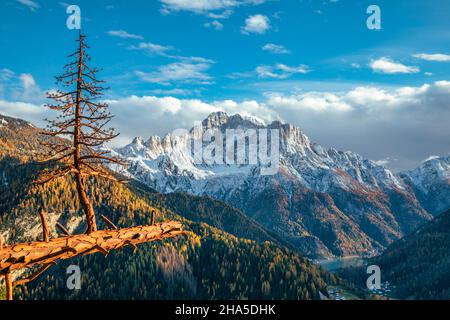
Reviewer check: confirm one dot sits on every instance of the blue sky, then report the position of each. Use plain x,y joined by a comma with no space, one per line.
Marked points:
300,61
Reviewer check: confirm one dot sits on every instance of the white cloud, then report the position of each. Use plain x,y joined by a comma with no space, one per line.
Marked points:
280,71
32,5
152,48
124,35
175,92
223,15
383,162
197,5
6,74
24,88
277,71
388,66
162,50
275,48
217,25
19,87
28,111
375,122
438,57
28,81
257,24
205,6
185,71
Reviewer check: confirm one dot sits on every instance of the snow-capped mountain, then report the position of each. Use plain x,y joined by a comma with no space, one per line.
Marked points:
431,183
324,201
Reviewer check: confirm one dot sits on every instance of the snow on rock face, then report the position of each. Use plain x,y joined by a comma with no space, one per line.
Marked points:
316,166
431,183
3,123
6,122
431,171
356,190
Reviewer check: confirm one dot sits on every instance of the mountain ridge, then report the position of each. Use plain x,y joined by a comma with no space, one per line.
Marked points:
363,205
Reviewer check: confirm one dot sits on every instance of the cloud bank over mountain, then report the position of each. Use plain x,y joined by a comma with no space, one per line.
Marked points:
401,126
398,126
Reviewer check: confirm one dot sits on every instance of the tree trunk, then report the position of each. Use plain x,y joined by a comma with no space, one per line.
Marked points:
82,196
25,255
46,254
9,286
86,205
45,232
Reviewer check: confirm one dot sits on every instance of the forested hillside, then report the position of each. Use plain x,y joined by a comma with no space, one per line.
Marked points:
205,263
419,264
215,213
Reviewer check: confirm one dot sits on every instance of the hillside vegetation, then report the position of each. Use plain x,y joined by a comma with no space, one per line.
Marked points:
206,263
417,266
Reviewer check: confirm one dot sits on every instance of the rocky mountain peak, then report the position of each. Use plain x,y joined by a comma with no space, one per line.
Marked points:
138,141
312,185
13,122
433,168
222,121
215,120
153,142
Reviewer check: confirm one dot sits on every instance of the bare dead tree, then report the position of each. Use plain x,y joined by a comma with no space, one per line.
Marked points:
84,120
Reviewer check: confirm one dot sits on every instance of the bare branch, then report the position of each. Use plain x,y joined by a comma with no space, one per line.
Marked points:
62,229
45,232
108,222
35,275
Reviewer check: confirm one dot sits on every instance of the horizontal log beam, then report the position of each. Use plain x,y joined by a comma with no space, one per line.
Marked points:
42,253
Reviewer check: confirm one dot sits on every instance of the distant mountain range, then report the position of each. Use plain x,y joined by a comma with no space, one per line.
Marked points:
322,201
